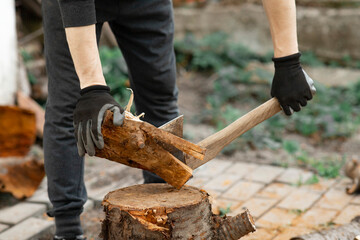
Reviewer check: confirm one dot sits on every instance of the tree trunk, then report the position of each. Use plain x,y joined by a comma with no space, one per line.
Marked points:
159,212
17,131
8,50
345,232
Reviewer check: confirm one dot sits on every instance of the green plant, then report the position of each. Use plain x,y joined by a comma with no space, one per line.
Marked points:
312,180
290,146
224,211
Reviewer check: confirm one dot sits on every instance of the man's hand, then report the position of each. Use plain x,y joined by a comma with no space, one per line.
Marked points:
289,85
89,114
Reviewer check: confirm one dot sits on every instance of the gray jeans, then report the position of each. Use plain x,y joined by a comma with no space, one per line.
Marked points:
144,32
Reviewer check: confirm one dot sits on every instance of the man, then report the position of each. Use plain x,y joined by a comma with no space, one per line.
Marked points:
78,95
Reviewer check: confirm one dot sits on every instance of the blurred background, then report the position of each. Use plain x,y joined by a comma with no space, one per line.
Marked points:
223,51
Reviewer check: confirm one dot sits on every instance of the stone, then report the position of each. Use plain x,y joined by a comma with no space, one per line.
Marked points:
222,182
347,214
275,191
275,218
223,204
356,199
198,182
334,199
316,217
260,234
322,186
290,232
300,200
242,190
257,206
30,229
3,227
21,211
40,196
264,174
241,169
294,176
212,168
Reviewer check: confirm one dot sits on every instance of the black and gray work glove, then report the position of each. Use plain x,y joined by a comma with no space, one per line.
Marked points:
290,84
88,117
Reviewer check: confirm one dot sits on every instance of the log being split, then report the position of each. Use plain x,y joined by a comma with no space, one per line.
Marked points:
137,144
159,212
346,232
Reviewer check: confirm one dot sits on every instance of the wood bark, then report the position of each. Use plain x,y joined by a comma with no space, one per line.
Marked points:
159,212
17,131
345,232
21,176
137,144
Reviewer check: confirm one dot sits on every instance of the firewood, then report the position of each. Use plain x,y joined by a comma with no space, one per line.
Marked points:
346,232
21,176
18,131
159,212
136,144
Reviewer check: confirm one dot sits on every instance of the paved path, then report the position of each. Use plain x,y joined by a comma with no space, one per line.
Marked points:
282,204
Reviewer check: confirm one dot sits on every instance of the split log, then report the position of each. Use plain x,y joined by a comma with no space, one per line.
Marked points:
159,212
18,131
21,176
137,144
346,232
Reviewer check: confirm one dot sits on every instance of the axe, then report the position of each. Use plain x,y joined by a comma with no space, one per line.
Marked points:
164,152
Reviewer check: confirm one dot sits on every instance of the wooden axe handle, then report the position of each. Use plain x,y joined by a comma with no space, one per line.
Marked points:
217,141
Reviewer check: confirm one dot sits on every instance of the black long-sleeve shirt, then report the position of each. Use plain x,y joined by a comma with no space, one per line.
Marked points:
77,13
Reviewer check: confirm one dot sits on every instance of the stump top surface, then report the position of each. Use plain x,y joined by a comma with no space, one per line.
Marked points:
153,196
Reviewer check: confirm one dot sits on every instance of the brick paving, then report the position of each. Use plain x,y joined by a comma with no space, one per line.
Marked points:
281,204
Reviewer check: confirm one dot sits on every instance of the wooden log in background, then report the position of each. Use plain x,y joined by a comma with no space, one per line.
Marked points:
21,176
345,232
17,131
159,212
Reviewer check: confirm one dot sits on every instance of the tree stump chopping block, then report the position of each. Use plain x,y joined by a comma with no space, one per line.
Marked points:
159,212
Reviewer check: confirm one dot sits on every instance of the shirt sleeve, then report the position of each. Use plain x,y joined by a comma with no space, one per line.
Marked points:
76,13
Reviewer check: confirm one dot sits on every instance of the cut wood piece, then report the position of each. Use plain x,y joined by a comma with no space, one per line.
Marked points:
136,144
159,212
345,232
28,103
21,176
18,131
352,170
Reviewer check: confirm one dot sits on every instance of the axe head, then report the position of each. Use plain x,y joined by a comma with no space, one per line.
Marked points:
174,127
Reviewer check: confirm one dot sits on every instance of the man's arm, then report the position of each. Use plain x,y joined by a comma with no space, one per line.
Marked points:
282,19
79,20
290,85
84,51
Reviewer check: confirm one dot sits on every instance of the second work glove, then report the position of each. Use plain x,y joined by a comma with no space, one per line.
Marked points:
290,85
88,117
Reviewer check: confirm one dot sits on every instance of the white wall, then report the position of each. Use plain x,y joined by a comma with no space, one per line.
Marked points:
8,52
